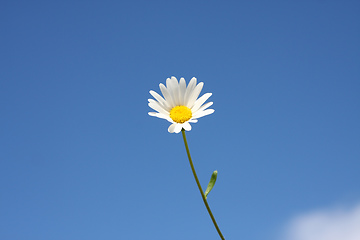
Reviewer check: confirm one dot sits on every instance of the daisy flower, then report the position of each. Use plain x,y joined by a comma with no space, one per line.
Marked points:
180,105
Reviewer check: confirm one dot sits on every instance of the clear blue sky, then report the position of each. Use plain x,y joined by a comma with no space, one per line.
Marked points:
81,159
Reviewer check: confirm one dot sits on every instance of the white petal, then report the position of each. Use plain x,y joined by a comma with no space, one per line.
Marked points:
187,126
169,85
182,90
152,100
200,101
200,114
160,115
155,105
160,104
175,91
172,128
193,121
166,95
203,107
178,128
159,98
194,95
189,90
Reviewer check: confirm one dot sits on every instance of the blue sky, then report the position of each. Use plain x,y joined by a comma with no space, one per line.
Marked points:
81,159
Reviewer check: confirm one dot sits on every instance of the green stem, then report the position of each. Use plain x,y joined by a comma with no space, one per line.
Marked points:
199,186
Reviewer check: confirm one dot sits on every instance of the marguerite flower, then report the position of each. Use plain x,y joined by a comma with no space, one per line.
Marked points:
180,104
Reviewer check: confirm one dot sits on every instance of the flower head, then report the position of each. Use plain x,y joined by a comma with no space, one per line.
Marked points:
180,105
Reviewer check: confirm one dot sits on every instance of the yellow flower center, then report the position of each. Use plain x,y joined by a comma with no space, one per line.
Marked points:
180,114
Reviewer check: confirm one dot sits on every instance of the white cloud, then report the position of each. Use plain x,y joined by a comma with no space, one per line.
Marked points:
333,224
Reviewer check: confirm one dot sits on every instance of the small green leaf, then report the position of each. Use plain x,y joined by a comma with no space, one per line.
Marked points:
211,183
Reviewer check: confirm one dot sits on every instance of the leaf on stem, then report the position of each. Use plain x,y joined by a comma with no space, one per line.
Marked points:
211,183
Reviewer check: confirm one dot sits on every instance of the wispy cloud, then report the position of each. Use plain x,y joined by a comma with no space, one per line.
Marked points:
330,224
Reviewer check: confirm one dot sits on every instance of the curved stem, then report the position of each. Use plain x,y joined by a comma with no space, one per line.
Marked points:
199,186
